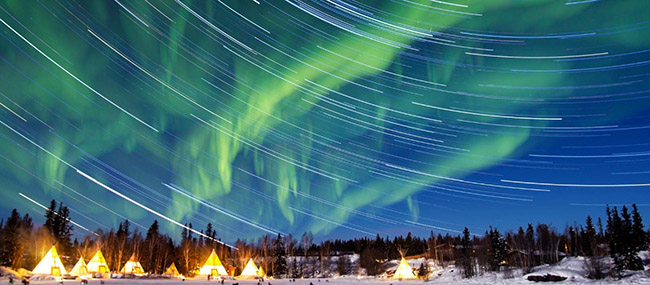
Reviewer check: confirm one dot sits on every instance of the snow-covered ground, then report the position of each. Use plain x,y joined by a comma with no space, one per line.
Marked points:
571,267
446,278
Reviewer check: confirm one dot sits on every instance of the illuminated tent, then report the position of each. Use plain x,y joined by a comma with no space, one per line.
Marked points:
261,273
251,271
50,264
80,269
213,266
404,271
97,264
132,266
172,270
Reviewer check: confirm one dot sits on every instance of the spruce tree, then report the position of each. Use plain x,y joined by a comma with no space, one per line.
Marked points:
50,215
11,240
621,248
150,247
588,238
280,260
530,244
466,255
497,249
64,229
637,232
630,249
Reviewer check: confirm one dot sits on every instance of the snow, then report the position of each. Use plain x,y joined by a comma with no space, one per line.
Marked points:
447,278
570,267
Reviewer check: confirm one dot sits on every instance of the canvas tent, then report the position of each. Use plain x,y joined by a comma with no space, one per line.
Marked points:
97,264
404,271
213,266
250,271
50,264
80,268
132,266
172,270
260,272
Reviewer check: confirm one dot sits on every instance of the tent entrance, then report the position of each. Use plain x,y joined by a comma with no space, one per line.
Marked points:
55,271
214,272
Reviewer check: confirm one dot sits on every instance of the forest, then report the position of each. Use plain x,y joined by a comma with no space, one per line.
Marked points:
621,236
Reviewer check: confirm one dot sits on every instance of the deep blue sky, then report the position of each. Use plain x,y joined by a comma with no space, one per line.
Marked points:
344,118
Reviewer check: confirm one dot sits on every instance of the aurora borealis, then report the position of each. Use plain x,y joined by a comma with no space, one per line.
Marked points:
343,118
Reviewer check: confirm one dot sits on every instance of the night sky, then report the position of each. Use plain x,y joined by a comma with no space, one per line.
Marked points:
344,118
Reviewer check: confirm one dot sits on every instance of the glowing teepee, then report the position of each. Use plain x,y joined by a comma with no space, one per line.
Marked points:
172,270
132,266
97,264
50,264
213,266
80,269
261,273
251,271
404,271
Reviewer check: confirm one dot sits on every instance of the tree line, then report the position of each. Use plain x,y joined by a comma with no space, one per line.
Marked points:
622,237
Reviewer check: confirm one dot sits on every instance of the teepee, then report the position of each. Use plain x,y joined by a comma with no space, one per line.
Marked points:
132,266
213,266
97,264
250,271
260,272
80,269
50,264
172,270
404,271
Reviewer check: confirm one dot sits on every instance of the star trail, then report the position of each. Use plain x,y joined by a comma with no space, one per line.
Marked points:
343,118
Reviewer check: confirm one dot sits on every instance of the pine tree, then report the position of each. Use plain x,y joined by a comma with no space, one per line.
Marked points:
64,230
601,233
622,250
150,253
631,260
466,255
530,244
50,215
588,238
279,259
637,232
497,249
122,240
58,223
11,240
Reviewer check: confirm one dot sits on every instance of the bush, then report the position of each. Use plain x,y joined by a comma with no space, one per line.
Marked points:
595,268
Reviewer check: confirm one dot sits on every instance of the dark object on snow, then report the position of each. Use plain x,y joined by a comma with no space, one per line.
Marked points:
25,281
84,282
546,278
